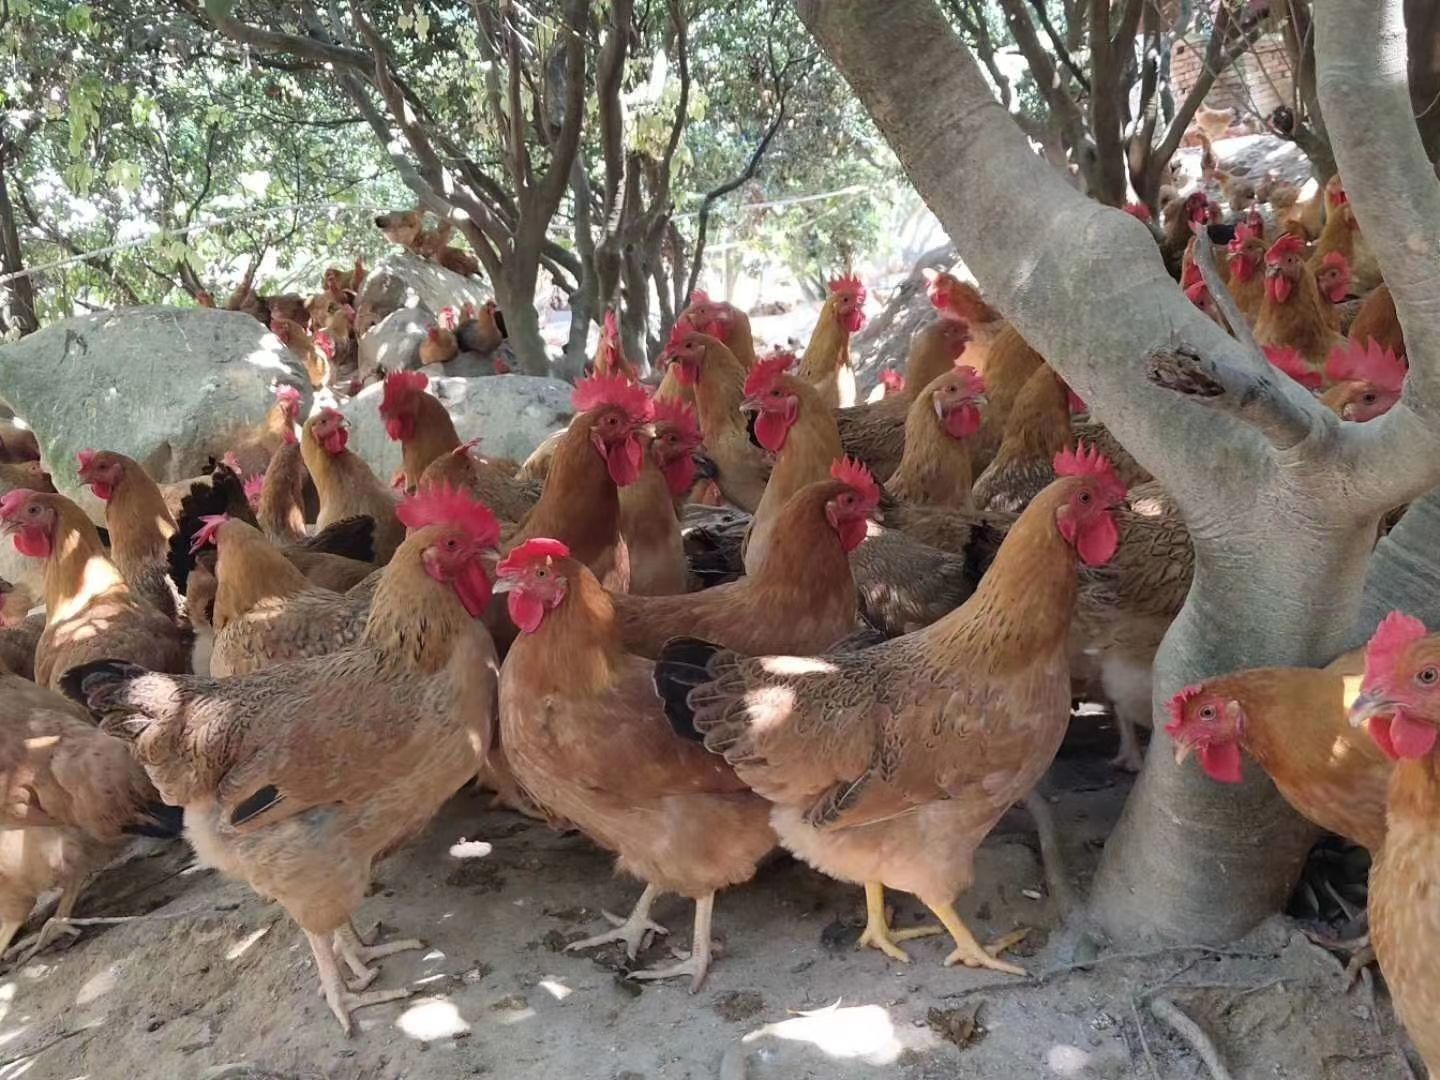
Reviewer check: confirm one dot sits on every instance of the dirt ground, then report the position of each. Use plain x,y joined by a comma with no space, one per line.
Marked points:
217,983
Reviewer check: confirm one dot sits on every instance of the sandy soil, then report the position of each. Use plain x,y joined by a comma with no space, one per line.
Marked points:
215,982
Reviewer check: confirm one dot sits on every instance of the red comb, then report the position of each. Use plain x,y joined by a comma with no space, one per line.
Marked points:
849,283
1198,294
531,551
85,458
449,318
399,386
210,525
287,394
325,343
1140,211
679,416
893,380
767,371
599,391
858,477
12,502
1395,632
1243,233
612,324
1293,364
699,296
253,487
972,380
1366,363
1177,709
1086,460
1288,244
1335,260
445,505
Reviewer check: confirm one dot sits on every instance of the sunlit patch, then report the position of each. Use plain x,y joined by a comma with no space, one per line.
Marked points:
861,1032
769,705
1067,1060
556,989
434,954
1353,684
514,1016
431,1019
9,1036
98,985
431,978
796,665
469,849
18,1068
241,947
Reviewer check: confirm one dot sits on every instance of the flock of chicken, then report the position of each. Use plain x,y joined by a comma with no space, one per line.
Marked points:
733,613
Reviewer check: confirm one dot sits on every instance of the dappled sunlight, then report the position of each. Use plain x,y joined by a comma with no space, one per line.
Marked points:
507,1017
1066,1060
852,1033
769,705
555,988
98,985
270,360
17,1068
469,849
431,1019
9,1035
241,947
797,665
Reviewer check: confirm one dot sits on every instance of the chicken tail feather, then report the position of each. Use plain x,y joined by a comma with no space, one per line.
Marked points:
684,664
353,538
160,821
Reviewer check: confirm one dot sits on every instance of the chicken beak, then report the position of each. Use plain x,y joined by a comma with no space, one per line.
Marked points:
504,585
749,406
1183,749
1367,706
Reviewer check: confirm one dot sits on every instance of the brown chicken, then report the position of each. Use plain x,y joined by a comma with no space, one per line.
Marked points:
800,600
959,301
1376,320
826,363
1293,313
298,791
89,610
70,795
940,427
1038,429
298,340
1008,367
481,330
1247,264
874,433
649,519
890,765
722,321
586,735
491,480
1398,700
599,454
417,421
19,630
346,485
1294,722
17,444
704,363
440,346
610,358
139,524
1366,381
1342,234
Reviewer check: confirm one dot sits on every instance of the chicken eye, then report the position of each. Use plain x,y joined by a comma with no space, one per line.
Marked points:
1085,498
1368,399
1207,712
541,573
451,544
1427,676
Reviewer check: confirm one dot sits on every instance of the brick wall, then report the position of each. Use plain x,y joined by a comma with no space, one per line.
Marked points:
1257,83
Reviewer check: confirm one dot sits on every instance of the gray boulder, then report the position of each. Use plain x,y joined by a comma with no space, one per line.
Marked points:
402,280
512,414
394,342
169,387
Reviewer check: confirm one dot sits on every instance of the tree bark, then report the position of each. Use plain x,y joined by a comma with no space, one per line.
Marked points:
1422,27
17,296
1281,499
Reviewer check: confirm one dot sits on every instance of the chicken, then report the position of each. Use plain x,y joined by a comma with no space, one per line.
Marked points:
19,630
347,487
1038,428
298,788
939,430
599,454
889,766
1008,366
1332,278
29,475
264,611
959,301
1126,606
1376,320
1286,359
800,600
1293,722
1342,235
585,733
481,331
1212,124
1183,217
70,795
1398,701
649,522
704,363
793,422
1247,260
491,480
417,421
440,346
1366,381
17,444
139,524
89,610
298,340
722,321
1292,312
874,433
826,363
610,358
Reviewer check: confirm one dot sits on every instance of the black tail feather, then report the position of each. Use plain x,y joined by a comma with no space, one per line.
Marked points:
353,538
160,821
93,685
684,664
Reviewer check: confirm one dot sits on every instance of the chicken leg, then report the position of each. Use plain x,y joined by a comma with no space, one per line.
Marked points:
355,952
56,925
878,934
633,931
698,962
343,1002
970,952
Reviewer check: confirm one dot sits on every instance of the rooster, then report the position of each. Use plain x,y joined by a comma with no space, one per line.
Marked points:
610,358
888,767
1366,381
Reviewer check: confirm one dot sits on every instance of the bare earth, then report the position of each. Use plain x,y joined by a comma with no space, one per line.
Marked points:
219,983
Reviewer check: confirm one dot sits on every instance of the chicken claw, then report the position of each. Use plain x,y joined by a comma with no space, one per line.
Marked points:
878,934
53,929
698,962
343,1002
356,954
970,952
633,931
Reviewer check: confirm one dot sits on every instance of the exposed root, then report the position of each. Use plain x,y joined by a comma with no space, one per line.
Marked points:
1173,1017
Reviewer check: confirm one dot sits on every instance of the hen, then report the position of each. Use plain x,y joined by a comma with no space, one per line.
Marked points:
1293,313
649,522
1038,429
937,467
345,484
723,321
1378,320
889,766
826,363
959,301
299,791
139,524
19,630
586,735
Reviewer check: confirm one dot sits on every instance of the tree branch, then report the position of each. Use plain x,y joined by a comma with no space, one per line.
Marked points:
608,71
1257,400
1055,40
1042,69
309,48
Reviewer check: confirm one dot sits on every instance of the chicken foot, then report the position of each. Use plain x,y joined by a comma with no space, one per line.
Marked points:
356,953
342,1001
55,926
698,962
970,952
878,934
633,931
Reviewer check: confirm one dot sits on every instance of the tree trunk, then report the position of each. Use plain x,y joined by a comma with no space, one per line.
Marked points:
1422,25
1280,498
515,290
17,297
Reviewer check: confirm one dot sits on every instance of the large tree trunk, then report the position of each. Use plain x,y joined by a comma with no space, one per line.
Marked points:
17,297
1281,500
1422,26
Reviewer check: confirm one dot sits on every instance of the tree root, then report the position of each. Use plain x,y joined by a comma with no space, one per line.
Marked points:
1050,858
1173,1017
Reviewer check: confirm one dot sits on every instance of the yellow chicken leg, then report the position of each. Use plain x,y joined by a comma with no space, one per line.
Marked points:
357,954
970,952
877,933
343,1002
